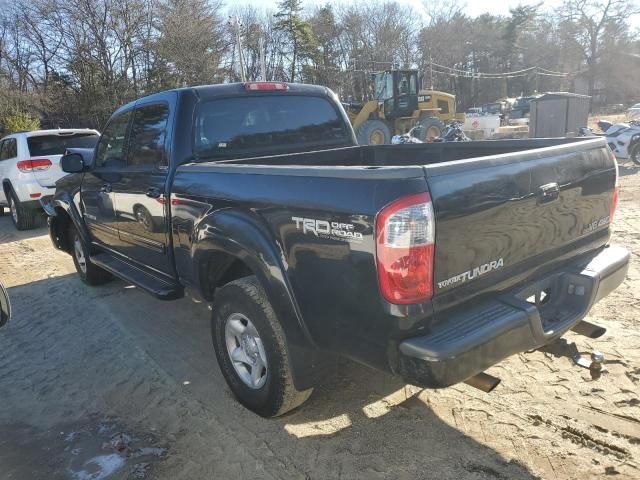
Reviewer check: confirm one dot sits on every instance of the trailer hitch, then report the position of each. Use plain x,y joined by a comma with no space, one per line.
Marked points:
562,348
595,366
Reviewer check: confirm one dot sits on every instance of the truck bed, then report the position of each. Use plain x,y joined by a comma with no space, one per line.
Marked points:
415,154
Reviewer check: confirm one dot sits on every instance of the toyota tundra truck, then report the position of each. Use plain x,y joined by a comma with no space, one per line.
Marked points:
432,262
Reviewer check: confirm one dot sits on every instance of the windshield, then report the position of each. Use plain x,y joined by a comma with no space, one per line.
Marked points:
250,125
57,144
383,86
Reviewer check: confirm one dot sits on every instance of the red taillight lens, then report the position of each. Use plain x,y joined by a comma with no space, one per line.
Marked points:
405,249
255,86
34,165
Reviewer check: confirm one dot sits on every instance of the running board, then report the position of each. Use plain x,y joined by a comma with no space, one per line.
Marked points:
148,281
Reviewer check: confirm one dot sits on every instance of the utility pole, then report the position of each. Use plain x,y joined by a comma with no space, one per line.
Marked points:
263,66
235,23
431,69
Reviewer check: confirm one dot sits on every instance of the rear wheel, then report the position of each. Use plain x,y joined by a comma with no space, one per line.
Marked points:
634,153
374,132
251,349
24,218
89,273
430,128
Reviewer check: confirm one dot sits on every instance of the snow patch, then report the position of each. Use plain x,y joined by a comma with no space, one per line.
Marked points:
100,467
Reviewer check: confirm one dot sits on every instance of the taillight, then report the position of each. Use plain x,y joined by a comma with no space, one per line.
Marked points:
616,188
255,86
34,165
405,249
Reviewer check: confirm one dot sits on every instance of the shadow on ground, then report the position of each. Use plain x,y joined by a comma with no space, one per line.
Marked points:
9,233
359,424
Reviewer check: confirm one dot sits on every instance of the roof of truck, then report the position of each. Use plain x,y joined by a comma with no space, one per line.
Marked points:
206,92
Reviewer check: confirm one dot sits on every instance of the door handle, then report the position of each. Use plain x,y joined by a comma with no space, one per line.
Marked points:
153,192
548,193
106,188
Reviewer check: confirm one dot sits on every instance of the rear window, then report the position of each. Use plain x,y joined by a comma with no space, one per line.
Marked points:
266,124
42,145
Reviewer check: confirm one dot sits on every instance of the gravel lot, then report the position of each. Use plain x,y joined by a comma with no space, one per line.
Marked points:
110,383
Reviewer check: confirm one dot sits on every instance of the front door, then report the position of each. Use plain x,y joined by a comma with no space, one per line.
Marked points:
97,185
140,202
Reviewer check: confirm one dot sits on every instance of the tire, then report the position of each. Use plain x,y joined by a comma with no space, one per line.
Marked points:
1,211
24,218
243,303
89,273
374,132
634,153
430,127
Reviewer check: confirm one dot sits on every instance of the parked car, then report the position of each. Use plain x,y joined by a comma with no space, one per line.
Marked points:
431,262
29,168
624,140
634,111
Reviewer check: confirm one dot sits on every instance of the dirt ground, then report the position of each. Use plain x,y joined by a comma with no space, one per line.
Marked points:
108,383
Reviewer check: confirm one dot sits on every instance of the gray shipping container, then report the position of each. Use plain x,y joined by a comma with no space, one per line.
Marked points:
558,114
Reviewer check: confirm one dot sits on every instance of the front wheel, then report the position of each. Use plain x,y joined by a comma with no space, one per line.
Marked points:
634,153
89,273
251,349
374,132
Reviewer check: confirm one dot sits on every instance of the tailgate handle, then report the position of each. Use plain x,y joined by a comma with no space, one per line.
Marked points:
548,193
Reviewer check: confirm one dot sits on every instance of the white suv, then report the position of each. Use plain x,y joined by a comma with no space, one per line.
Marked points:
30,166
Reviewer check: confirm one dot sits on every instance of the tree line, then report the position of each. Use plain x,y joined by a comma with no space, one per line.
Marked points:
72,62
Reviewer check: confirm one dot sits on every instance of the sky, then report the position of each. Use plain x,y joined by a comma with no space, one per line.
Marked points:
473,7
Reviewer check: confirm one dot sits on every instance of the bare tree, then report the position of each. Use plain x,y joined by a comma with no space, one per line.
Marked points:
591,22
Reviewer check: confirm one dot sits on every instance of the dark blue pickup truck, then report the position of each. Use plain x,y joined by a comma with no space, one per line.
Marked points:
429,261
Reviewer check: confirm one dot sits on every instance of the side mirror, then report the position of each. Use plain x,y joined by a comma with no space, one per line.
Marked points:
5,306
72,163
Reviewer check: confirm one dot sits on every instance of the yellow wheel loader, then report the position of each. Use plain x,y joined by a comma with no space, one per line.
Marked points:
398,106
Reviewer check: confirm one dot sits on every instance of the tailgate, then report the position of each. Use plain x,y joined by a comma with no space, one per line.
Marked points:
501,218
50,145
48,177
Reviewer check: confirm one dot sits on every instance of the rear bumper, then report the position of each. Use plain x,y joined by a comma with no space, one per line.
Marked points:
477,338
28,191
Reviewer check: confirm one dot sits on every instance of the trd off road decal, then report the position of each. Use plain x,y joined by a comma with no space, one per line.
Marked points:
324,229
473,273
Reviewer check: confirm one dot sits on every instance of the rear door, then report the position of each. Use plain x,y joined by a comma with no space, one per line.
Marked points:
3,174
51,146
501,218
97,191
8,157
140,205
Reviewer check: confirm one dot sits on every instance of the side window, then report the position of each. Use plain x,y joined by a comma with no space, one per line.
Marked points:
9,149
112,148
148,135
